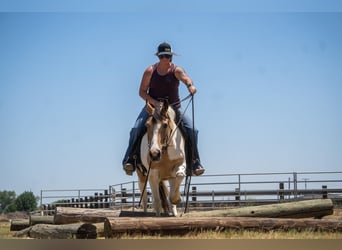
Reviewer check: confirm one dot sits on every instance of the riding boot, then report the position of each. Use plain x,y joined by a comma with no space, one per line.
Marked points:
132,155
192,153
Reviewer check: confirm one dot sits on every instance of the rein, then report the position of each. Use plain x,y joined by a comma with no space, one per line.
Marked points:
180,101
145,184
188,176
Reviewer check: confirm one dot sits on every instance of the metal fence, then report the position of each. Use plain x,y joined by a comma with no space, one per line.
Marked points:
210,191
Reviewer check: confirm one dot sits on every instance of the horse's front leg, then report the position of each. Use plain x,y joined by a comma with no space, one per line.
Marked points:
174,196
175,183
154,184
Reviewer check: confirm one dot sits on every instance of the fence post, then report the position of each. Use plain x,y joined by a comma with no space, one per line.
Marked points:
237,196
91,201
281,191
106,205
96,199
213,198
86,202
101,200
123,195
295,192
194,193
41,202
324,192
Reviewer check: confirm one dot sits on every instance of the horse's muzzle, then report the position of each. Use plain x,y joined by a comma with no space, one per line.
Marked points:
155,155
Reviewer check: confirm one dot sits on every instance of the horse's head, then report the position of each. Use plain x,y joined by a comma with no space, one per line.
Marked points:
159,128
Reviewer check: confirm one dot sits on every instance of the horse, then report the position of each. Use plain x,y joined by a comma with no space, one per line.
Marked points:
162,152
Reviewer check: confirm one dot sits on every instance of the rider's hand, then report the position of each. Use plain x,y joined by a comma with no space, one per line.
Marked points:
192,89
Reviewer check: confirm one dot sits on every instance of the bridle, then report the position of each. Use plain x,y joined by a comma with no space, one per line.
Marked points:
159,116
166,127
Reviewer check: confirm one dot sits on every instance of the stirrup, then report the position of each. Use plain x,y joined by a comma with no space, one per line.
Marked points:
197,169
129,168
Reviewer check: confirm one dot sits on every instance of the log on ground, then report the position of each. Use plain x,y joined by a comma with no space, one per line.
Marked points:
19,224
68,231
298,209
181,225
67,215
38,219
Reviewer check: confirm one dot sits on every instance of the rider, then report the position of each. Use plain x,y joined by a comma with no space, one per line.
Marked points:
161,80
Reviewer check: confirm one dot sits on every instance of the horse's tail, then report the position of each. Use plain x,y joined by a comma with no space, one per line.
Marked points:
164,197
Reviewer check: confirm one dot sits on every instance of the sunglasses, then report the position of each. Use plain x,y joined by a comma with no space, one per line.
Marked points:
166,56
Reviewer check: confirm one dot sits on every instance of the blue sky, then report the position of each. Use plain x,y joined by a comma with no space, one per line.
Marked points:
269,88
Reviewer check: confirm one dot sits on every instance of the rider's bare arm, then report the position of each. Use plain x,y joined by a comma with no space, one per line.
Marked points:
144,86
182,76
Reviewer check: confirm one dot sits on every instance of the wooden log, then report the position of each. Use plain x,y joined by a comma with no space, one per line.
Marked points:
68,231
67,215
179,226
299,209
38,219
19,224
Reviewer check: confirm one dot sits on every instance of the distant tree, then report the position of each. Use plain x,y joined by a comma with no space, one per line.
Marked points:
10,208
7,199
26,202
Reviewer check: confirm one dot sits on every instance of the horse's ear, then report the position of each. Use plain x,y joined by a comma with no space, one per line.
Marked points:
166,103
149,108
165,106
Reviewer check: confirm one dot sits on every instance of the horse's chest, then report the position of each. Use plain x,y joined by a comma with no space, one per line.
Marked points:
167,168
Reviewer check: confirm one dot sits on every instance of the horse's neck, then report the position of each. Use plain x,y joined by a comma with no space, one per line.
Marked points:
176,148
172,116
177,142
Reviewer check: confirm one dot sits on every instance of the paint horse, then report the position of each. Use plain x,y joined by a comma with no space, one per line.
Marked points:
162,153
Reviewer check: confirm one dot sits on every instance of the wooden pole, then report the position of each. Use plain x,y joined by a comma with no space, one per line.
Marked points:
19,224
299,209
37,219
179,226
69,231
67,215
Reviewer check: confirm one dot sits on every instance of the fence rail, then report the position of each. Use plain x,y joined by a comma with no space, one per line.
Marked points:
210,191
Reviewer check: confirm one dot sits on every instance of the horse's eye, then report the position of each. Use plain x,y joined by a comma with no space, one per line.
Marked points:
164,124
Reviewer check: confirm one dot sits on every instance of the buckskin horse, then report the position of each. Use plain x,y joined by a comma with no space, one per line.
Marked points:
162,153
